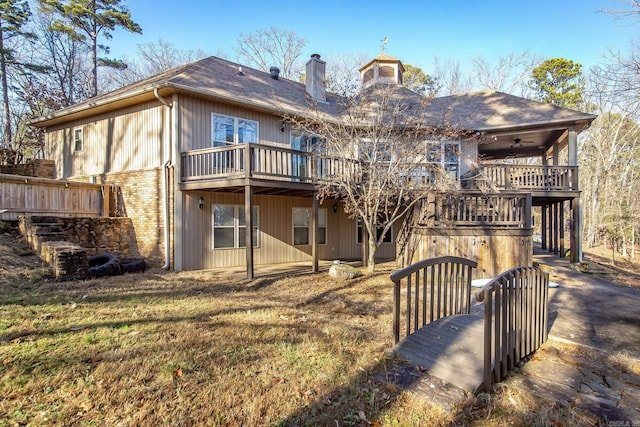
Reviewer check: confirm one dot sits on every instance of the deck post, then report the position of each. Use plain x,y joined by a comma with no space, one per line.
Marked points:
576,231
561,228
248,235
528,203
314,234
543,226
556,228
572,148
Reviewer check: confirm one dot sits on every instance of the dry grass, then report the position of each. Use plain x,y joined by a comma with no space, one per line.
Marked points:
198,349
625,271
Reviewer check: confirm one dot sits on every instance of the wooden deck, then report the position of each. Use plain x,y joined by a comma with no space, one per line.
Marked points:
450,348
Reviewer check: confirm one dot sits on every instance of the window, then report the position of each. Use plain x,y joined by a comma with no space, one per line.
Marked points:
387,237
300,163
446,154
232,130
78,139
302,226
229,226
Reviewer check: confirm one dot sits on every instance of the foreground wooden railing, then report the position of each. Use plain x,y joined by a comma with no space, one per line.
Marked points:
515,319
435,287
478,209
531,177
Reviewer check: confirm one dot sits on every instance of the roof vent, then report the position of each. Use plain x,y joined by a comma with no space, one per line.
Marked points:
275,72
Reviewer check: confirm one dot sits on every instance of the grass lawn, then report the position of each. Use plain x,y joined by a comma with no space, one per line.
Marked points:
199,349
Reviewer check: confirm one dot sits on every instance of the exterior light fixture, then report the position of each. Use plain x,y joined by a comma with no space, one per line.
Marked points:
201,202
335,208
283,125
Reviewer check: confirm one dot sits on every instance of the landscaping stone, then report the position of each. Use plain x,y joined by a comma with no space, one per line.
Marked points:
343,271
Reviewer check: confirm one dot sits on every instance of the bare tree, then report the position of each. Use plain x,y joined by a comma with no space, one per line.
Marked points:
267,47
151,59
509,74
629,9
610,171
375,158
449,78
342,73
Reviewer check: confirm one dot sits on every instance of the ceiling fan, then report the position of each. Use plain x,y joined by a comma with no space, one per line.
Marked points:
518,141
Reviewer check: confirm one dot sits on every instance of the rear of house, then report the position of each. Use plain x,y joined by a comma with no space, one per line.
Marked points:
203,152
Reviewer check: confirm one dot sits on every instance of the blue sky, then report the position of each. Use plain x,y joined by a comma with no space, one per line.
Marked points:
418,31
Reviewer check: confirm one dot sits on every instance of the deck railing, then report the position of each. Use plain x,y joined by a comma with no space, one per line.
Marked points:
279,163
531,177
478,209
270,162
435,288
515,319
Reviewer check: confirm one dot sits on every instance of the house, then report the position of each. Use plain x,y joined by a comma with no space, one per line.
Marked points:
202,152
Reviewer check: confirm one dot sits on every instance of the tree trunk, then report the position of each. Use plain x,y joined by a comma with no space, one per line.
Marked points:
373,246
5,94
94,61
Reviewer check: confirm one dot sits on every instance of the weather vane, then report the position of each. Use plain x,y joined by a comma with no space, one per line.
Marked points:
384,43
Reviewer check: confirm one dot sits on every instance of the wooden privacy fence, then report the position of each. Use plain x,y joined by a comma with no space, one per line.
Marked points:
21,195
435,287
515,319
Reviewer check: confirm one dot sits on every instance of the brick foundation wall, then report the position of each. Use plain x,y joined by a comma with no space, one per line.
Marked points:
140,198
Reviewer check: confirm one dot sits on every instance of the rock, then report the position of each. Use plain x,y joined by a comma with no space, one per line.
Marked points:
343,272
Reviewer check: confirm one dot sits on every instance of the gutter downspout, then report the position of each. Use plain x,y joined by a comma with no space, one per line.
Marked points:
165,182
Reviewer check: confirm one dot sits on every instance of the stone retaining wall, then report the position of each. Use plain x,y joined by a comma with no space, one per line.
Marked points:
96,235
40,168
68,261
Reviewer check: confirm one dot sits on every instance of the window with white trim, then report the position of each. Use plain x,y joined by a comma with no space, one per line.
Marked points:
302,226
387,237
227,130
78,139
229,226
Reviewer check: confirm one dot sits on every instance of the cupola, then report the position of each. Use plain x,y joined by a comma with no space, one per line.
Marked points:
384,69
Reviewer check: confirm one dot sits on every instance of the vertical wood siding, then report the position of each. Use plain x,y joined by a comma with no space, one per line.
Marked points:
275,233
128,139
195,123
494,252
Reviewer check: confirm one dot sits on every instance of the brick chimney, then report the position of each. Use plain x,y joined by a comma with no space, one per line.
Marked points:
315,78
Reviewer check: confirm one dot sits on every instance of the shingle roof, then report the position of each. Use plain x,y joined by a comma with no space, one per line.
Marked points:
486,110
218,78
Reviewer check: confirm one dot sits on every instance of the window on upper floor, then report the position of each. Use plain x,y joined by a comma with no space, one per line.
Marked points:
229,130
302,226
446,154
78,139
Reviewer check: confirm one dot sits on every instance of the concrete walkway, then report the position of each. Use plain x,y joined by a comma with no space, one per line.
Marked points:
591,316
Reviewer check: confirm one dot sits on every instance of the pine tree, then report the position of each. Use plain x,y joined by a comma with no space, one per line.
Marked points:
13,17
87,21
